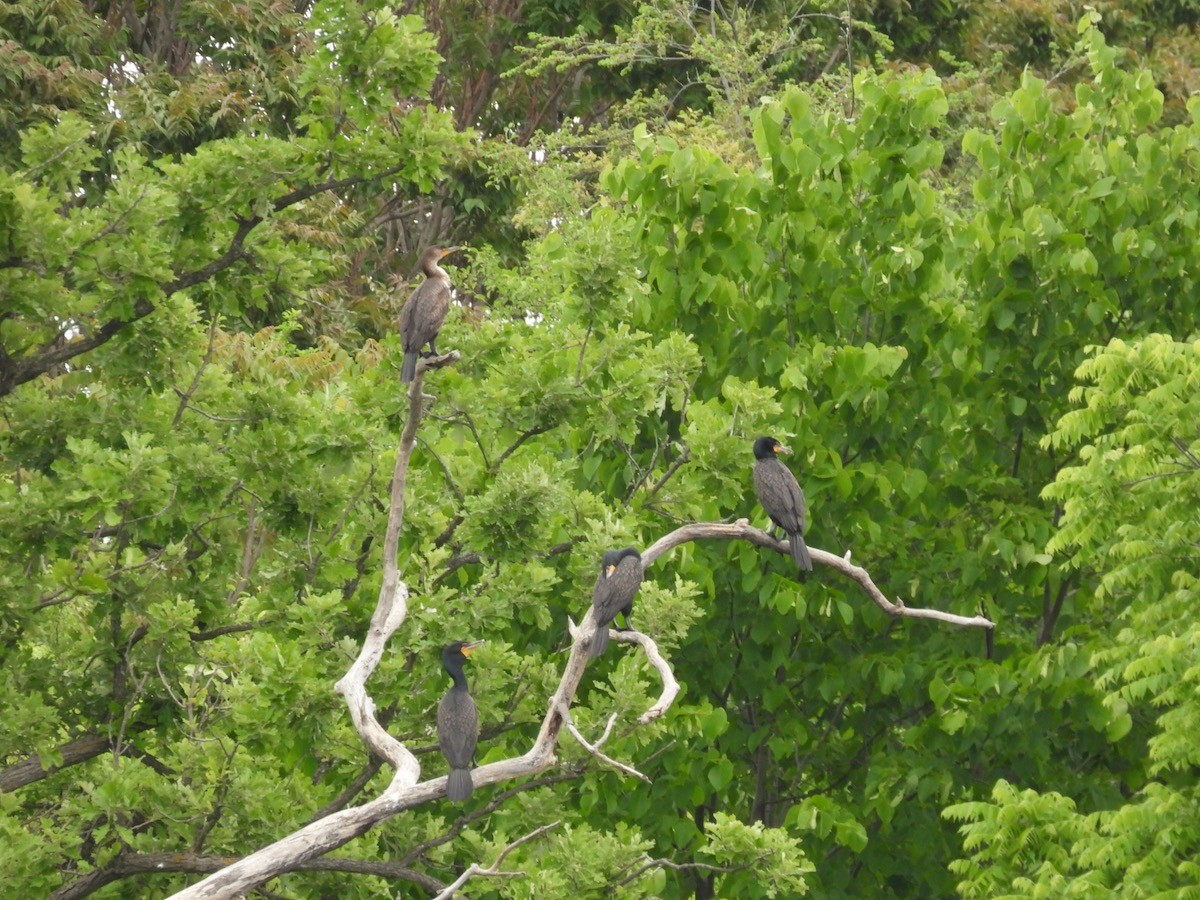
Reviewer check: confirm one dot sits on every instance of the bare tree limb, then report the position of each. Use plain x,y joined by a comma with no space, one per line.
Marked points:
405,791
130,864
743,530
628,636
392,606
333,831
670,686
594,749
494,869
568,773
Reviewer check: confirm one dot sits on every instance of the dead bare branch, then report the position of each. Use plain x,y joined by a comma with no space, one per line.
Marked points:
331,832
628,636
494,869
594,749
405,791
743,530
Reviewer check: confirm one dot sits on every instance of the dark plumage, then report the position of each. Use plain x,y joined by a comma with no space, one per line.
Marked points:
780,495
425,310
620,577
458,723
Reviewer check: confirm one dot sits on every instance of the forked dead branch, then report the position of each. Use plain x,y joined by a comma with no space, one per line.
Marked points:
406,791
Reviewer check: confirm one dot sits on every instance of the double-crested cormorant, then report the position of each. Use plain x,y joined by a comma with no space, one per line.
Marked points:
620,577
425,310
780,495
458,722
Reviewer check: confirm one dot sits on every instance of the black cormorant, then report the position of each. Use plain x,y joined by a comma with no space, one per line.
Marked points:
458,722
620,577
425,310
780,495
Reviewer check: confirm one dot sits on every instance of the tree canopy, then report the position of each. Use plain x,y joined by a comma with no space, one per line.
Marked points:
947,254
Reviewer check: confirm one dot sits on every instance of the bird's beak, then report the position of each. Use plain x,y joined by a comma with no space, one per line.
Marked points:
609,571
448,251
779,448
468,649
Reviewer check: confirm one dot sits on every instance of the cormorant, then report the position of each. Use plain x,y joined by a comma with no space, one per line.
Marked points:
780,495
458,722
620,577
425,310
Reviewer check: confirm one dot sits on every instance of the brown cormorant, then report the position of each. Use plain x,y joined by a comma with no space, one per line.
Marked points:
620,577
425,310
458,722
780,495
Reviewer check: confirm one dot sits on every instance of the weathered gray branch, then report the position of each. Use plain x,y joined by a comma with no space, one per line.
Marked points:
329,833
744,531
595,750
405,791
670,685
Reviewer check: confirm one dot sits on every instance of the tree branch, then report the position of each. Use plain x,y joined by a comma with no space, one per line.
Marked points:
629,636
333,831
12,375
512,448
392,606
494,868
594,749
743,530
130,864
81,749
671,470
405,791
466,819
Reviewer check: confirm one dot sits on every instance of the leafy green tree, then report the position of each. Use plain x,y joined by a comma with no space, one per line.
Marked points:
1129,513
200,414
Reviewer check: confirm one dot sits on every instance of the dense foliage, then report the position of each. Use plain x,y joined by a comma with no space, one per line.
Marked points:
972,311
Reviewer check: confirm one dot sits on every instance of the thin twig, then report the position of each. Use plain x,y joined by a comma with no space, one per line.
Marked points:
186,396
665,863
671,470
525,435
594,749
494,869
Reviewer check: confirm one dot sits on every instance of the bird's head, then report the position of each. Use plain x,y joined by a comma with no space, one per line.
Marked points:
612,558
768,448
433,255
459,651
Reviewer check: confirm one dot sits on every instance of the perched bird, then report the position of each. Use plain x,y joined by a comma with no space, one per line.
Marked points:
780,495
425,310
620,577
458,722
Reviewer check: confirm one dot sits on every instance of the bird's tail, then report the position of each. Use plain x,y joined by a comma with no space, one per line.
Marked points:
409,370
459,785
800,552
599,641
